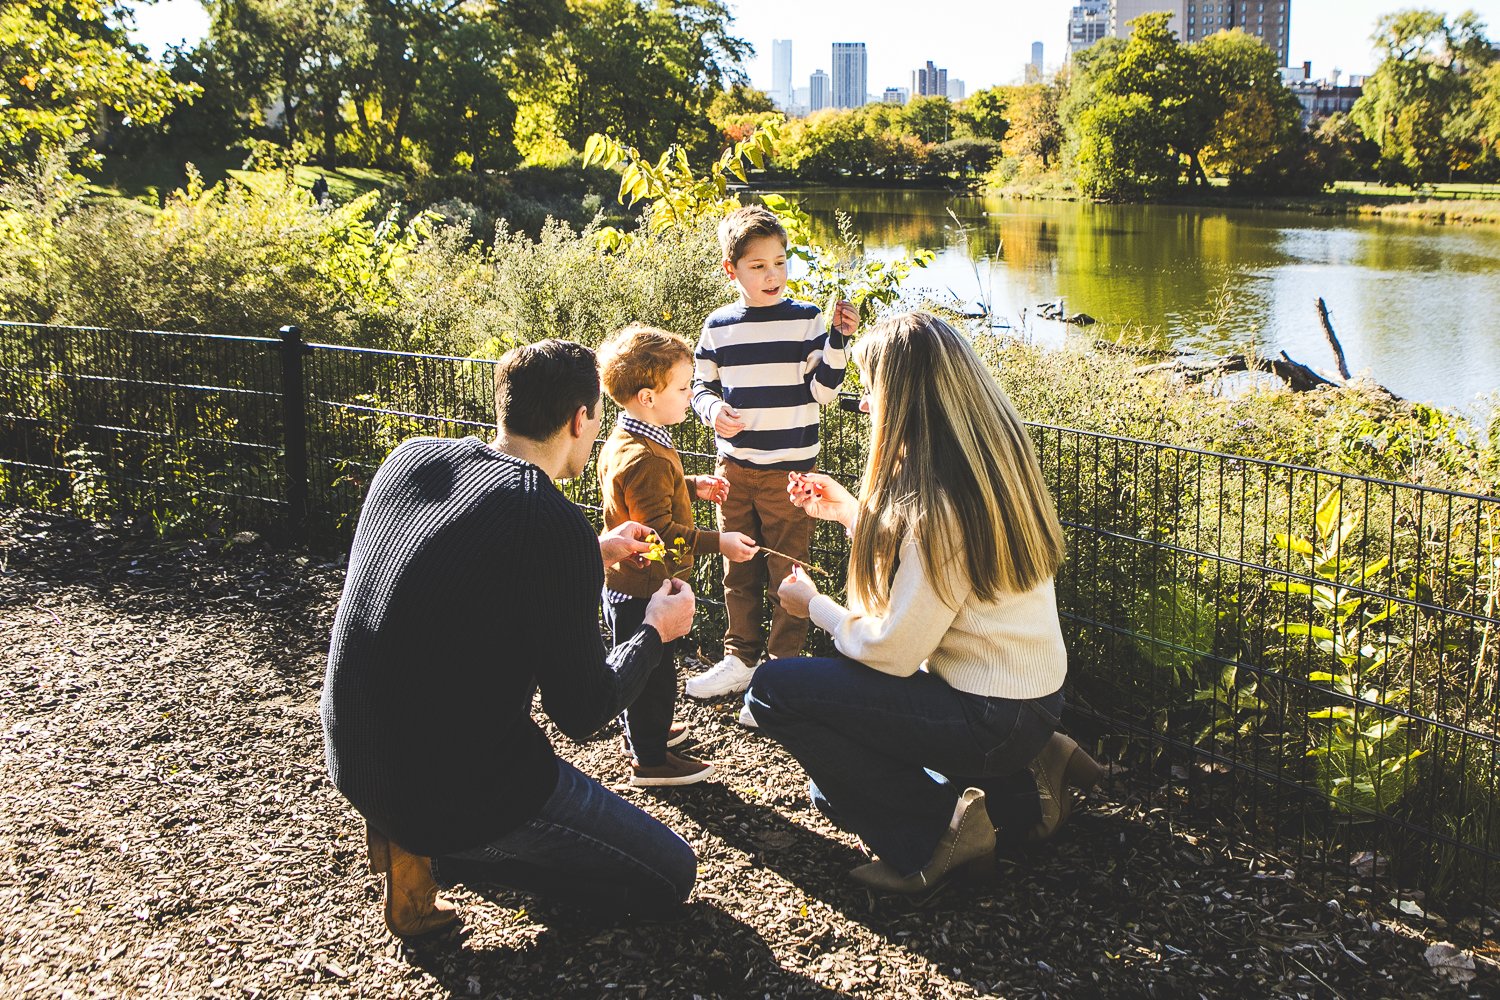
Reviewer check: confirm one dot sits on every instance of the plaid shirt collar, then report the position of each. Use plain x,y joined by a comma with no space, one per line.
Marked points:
652,432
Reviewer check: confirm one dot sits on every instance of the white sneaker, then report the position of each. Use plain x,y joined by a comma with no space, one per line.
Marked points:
728,676
747,719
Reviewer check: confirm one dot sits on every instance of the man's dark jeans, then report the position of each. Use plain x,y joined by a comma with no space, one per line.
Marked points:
587,847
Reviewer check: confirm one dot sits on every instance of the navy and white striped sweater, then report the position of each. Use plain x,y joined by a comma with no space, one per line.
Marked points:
776,365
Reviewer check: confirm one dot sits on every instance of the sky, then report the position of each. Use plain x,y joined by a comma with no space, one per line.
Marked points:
982,42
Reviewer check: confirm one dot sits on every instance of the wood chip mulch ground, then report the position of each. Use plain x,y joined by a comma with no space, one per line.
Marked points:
167,829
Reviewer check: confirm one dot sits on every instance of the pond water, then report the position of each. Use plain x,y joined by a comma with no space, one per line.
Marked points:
1416,305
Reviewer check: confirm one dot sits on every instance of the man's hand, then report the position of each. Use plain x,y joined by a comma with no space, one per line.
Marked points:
670,610
625,541
845,318
727,421
796,593
738,546
714,489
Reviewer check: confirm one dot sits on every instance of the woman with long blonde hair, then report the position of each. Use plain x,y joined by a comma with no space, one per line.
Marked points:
952,656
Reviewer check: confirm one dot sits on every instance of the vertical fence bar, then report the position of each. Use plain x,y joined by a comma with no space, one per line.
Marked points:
294,431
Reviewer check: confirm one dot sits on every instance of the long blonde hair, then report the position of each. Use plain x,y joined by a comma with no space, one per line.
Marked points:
951,461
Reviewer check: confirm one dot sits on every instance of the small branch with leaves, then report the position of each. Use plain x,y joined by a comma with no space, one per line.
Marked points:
795,561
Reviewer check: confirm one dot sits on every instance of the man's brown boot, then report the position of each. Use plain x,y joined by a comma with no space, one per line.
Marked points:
412,906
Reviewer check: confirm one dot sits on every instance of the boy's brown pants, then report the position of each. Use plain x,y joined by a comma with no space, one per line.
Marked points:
758,505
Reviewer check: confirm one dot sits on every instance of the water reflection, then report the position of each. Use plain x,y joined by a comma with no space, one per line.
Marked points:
1415,304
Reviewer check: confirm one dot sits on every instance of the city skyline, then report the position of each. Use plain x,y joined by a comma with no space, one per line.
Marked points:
982,42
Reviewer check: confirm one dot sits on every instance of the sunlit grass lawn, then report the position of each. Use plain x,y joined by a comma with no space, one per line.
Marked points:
1407,192
148,182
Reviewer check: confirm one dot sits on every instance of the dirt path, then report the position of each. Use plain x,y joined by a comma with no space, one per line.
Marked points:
166,829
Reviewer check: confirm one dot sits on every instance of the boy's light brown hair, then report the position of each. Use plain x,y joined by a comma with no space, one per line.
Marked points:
639,357
745,224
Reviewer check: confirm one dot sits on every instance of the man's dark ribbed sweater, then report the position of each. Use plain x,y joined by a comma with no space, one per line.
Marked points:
472,582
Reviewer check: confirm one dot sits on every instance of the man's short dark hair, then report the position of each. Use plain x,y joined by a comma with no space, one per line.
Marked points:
538,387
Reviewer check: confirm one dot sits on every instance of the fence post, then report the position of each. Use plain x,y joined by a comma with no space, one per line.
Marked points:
294,431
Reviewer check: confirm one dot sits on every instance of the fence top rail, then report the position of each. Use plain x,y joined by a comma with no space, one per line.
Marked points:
1077,432
61,328
349,349
1270,463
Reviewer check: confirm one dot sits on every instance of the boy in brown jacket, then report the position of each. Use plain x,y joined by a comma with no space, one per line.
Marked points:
649,372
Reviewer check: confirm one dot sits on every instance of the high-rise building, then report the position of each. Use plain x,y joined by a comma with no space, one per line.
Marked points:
819,93
893,95
850,73
781,71
929,81
955,89
1032,71
1268,20
1088,22
1194,20
1122,12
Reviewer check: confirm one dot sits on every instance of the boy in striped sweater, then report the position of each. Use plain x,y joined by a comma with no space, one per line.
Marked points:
762,369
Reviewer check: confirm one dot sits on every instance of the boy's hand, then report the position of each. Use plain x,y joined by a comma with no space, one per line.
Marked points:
727,421
625,541
737,546
714,489
845,318
796,593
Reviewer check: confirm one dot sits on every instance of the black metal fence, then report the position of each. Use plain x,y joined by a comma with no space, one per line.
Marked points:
1308,655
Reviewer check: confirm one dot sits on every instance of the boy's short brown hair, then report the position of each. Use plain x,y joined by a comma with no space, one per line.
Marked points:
639,357
745,224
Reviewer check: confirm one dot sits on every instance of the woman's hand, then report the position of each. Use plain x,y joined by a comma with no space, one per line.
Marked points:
714,489
796,593
822,497
625,541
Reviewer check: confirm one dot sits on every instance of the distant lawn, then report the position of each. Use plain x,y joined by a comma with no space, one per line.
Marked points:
150,181
1433,192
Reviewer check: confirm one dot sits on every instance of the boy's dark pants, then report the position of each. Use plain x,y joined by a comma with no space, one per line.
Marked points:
758,505
649,717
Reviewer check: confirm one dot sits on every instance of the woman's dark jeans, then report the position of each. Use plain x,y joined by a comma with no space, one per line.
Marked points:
871,743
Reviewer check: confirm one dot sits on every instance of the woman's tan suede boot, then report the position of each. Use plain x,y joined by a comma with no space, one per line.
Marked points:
968,844
1062,765
412,906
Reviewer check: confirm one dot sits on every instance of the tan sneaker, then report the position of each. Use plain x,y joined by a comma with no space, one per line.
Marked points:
678,769
677,735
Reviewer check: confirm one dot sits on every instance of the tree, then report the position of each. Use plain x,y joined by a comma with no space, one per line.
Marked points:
1036,130
1343,149
294,53
966,157
737,111
930,119
645,72
1416,105
1257,120
69,68
1122,151
984,114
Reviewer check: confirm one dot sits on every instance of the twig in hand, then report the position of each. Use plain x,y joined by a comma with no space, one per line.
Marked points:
816,569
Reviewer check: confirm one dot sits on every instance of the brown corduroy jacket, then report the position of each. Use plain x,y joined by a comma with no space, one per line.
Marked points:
643,481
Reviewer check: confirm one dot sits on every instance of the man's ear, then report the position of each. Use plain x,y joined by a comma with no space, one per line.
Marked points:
580,421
